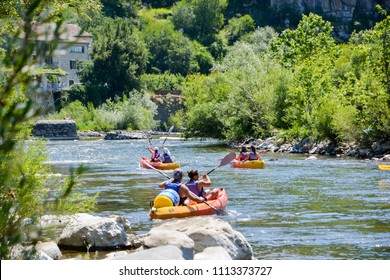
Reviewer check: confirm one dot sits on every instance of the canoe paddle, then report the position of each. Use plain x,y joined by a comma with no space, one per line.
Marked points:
169,132
228,158
159,171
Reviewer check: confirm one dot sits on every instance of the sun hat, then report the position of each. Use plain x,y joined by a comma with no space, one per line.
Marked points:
156,148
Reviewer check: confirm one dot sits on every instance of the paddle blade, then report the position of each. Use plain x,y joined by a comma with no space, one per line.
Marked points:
169,132
228,158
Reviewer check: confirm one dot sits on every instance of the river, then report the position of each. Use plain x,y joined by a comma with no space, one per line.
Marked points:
293,209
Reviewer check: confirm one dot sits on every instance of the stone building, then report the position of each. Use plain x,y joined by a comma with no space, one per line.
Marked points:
58,72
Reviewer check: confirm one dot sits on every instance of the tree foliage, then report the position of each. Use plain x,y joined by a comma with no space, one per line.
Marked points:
134,111
119,57
311,38
120,8
238,27
199,19
26,189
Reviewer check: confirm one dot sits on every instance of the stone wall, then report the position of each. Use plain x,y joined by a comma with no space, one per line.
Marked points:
55,129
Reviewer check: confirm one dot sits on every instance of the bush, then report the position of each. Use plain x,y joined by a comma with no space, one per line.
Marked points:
134,112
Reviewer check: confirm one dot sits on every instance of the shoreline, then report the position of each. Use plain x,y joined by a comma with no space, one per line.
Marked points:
377,152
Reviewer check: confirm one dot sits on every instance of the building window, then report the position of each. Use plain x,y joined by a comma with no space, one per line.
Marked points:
77,49
72,64
71,82
49,61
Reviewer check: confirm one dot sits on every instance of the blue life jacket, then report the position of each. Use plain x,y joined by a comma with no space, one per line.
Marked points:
252,156
166,158
175,186
192,185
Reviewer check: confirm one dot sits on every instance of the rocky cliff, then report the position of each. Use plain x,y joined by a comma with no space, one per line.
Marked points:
345,15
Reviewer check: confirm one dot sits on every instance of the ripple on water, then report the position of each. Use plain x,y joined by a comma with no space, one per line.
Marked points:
330,208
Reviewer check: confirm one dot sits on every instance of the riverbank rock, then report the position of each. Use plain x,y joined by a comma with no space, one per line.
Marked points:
379,151
123,135
91,134
213,253
208,232
41,251
167,252
50,249
88,233
157,238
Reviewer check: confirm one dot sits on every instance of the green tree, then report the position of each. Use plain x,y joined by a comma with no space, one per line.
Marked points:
121,8
238,27
261,39
119,57
311,38
26,190
169,50
59,9
237,100
200,19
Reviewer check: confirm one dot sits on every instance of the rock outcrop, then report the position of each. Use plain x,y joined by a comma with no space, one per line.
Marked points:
55,129
195,238
345,15
88,233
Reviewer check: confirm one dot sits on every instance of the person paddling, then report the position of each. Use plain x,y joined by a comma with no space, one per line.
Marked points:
253,155
166,156
243,154
197,185
155,154
176,185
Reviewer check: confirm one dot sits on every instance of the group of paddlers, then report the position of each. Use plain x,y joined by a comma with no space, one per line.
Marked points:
194,188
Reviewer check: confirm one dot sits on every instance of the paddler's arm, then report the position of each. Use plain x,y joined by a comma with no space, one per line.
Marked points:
162,185
205,182
190,194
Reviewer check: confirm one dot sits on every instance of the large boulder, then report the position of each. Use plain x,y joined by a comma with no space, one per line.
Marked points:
41,251
161,237
87,232
49,249
213,253
210,232
168,252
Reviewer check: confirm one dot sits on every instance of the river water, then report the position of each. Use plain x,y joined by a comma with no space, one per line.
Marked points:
330,208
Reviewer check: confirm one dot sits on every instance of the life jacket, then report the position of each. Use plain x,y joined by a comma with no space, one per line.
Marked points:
192,185
166,158
155,156
175,186
244,156
252,156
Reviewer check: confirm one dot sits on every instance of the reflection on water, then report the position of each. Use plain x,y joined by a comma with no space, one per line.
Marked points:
331,208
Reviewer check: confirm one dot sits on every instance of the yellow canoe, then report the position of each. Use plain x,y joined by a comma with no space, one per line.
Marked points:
384,166
194,209
145,162
257,164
